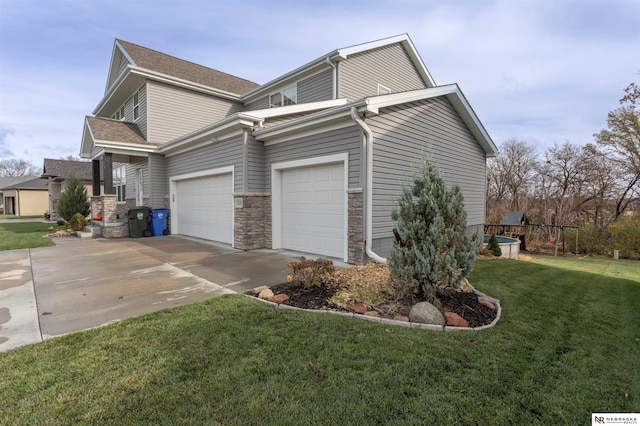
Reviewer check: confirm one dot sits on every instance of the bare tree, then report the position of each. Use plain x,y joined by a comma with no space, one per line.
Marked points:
599,186
621,140
73,158
562,170
17,168
509,176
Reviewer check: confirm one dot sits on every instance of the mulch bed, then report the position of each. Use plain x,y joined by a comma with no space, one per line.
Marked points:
462,303
467,306
313,298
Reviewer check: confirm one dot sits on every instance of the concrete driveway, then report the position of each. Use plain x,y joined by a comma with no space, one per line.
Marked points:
84,283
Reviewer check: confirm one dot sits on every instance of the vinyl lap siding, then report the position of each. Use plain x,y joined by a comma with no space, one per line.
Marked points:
316,88
227,152
337,141
123,65
360,74
260,103
159,181
176,112
403,135
137,163
255,166
141,122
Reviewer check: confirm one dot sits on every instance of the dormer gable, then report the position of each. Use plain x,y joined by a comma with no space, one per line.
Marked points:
119,62
133,65
140,57
332,60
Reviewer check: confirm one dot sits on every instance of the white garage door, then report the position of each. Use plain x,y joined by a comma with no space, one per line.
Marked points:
313,209
204,207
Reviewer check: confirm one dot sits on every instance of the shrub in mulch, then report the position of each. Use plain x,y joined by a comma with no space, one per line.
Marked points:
315,285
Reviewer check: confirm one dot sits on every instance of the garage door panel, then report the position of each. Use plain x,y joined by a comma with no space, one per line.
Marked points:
205,207
313,209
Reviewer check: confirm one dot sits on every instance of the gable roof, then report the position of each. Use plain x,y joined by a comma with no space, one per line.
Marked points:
514,219
372,106
27,182
63,168
107,133
7,181
162,63
326,61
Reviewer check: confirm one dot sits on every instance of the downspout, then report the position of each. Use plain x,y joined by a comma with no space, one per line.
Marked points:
368,192
335,79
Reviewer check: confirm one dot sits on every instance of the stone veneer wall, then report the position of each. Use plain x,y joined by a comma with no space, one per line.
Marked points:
107,207
54,210
268,239
252,218
96,206
355,231
118,231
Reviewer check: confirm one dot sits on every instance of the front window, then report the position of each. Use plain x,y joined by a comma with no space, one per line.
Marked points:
383,90
287,96
119,183
119,114
136,110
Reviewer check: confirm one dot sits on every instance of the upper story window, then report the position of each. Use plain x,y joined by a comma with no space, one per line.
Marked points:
136,109
119,114
286,96
383,90
120,183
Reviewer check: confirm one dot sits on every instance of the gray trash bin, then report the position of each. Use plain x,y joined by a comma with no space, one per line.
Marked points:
139,222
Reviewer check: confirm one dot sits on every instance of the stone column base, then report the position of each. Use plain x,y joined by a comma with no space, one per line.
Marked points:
355,231
252,218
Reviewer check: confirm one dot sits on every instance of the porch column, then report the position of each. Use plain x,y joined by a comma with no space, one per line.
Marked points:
95,180
107,172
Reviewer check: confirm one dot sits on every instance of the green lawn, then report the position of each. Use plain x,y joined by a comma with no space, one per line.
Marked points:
21,235
5,216
568,344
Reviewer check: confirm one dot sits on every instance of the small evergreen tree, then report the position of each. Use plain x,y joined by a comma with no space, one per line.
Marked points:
432,252
493,246
73,200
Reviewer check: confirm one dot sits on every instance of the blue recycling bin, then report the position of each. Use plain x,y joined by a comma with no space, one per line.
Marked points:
159,222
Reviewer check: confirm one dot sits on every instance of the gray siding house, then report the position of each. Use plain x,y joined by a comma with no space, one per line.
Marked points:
312,161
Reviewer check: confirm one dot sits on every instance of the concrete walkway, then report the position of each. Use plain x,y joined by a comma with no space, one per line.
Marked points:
85,283
19,323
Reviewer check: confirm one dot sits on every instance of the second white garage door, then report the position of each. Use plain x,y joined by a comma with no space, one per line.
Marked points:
313,204
205,207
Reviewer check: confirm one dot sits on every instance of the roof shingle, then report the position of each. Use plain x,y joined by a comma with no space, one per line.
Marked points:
31,183
63,168
106,129
170,65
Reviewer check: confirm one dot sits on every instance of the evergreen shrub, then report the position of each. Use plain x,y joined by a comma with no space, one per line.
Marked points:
73,200
432,252
493,246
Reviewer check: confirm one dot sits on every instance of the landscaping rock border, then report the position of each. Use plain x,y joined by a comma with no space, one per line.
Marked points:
396,322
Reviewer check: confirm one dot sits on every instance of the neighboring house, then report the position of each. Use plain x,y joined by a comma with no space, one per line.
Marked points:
57,171
23,196
312,161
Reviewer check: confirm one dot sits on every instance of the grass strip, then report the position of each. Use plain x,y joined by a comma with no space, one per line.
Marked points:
22,235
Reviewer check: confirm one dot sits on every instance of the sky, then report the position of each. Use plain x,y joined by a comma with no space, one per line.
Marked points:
541,71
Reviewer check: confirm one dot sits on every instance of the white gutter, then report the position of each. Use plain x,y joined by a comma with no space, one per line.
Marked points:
335,77
369,187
